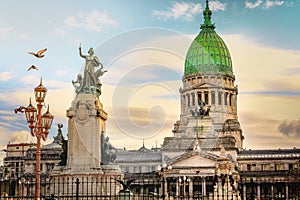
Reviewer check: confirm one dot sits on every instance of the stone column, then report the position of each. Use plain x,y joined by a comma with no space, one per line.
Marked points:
216,191
286,191
244,192
229,190
191,188
142,190
209,98
177,188
272,192
258,191
235,102
203,187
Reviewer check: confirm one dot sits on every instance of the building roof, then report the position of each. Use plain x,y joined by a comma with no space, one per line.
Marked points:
208,53
141,155
269,153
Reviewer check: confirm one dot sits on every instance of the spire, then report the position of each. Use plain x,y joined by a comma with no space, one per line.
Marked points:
207,18
143,143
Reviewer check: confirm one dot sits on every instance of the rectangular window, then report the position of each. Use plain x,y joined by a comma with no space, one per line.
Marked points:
213,98
248,167
220,98
230,99
193,99
266,167
279,167
199,96
206,97
188,99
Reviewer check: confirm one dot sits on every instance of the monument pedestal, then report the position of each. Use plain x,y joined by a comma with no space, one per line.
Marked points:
84,175
86,122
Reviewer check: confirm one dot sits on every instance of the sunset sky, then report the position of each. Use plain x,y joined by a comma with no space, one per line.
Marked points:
143,45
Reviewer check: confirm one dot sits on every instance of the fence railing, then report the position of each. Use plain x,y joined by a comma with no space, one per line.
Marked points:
144,188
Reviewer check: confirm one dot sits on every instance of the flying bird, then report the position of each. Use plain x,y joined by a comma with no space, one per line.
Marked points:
39,54
32,67
20,109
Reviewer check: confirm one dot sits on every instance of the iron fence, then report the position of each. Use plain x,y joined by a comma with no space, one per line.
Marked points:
143,188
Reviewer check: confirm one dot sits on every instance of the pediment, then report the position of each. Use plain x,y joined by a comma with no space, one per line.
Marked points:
204,85
194,159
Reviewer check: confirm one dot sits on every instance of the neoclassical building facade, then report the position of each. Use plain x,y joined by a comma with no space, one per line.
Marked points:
205,158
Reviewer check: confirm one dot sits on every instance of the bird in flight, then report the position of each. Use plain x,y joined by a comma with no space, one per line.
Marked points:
39,54
20,109
32,67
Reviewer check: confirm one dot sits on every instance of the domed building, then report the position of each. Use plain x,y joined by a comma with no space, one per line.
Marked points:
208,136
205,157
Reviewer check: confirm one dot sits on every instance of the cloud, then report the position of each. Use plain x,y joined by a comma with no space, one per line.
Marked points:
58,30
182,10
270,66
268,4
94,20
5,32
217,5
14,137
24,36
290,128
253,5
5,76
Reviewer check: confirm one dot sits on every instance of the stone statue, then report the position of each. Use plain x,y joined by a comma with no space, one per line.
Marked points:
90,82
78,83
202,112
59,139
108,152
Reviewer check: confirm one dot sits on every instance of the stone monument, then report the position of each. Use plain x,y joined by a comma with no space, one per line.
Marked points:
87,139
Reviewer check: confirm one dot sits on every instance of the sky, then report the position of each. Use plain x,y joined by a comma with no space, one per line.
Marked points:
143,45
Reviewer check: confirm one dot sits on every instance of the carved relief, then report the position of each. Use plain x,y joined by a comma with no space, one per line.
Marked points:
82,111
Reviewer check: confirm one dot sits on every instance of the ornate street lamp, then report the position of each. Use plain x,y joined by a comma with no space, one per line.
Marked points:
39,127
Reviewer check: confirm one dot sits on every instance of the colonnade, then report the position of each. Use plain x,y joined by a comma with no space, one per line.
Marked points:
199,187
185,186
213,98
267,190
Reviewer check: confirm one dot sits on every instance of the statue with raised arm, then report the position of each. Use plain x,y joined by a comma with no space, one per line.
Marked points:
90,82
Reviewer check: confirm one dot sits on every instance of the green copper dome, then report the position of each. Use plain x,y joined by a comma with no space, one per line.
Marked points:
208,53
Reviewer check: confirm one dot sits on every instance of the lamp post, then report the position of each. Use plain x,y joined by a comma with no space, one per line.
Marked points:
163,170
184,180
39,127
